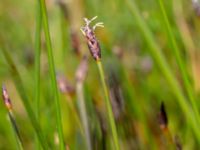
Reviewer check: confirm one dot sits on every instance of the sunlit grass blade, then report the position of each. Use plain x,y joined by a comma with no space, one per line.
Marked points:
37,63
52,73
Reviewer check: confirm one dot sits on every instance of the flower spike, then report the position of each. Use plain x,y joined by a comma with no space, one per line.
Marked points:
92,42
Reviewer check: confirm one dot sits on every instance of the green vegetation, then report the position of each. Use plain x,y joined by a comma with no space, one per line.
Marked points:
133,84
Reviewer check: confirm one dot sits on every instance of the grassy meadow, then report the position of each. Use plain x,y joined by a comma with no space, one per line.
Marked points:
126,80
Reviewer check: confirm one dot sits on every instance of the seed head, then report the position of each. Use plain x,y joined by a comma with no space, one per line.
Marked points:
6,98
163,120
92,42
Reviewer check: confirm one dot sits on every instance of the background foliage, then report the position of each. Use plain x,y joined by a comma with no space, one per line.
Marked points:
149,49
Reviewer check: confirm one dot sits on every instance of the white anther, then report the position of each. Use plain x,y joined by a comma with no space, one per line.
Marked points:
87,23
99,24
82,30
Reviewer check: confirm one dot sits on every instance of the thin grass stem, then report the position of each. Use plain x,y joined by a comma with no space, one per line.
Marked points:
37,60
108,106
83,114
52,73
15,130
37,63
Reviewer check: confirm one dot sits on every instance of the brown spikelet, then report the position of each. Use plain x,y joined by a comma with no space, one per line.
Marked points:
8,105
6,98
64,85
162,118
92,41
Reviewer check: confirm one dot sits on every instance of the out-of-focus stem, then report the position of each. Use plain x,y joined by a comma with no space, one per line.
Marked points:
83,113
37,64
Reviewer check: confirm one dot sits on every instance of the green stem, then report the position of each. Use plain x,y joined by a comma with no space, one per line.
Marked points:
180,62
83,113
15,130
37,63
165,69
52,73
108,106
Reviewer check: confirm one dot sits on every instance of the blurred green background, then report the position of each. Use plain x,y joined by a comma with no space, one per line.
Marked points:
133,73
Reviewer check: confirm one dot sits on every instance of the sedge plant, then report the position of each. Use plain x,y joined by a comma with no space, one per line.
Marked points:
95,51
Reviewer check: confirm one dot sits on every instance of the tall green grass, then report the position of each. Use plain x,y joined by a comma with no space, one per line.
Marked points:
52,73
180,62
37,63
164,67
135,29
